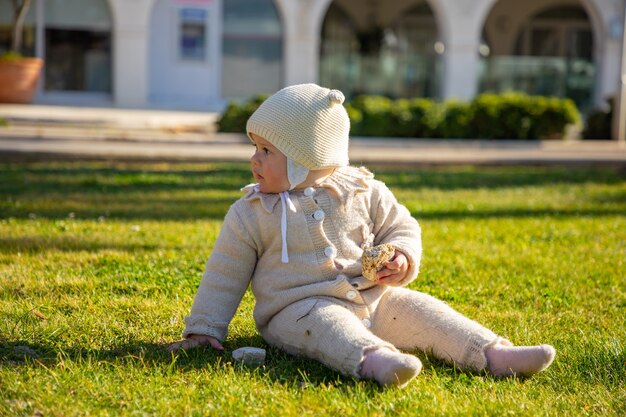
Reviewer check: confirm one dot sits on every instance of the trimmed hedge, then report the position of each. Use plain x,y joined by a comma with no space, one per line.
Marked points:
488,116
520,116
599,122
236,115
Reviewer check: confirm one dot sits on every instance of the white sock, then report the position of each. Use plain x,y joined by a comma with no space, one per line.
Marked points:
503,360
388,367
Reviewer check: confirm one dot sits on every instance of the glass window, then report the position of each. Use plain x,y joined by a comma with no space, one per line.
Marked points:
78,60
398,60
85,14
545,42
252,48
192,34
580,43
553,56
78,46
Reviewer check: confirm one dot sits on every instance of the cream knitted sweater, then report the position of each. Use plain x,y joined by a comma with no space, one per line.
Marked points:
325,233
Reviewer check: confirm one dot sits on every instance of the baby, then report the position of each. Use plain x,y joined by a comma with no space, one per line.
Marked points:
298,236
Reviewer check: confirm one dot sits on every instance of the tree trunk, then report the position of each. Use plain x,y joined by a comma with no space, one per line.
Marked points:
20,9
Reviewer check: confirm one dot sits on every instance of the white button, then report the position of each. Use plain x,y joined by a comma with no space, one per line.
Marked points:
318,215
308,191
330,251
367,323
351,295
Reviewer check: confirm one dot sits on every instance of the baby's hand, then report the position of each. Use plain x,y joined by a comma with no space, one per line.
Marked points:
395,270
195,340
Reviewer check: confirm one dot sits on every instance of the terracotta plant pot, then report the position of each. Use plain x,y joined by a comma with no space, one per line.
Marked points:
18,79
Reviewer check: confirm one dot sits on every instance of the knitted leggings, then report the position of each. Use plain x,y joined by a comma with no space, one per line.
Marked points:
338,333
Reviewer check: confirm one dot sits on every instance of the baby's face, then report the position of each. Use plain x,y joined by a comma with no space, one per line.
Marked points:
269,166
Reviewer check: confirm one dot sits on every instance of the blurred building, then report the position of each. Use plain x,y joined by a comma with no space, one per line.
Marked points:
197,54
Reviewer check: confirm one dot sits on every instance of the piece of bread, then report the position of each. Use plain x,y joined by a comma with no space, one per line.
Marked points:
374,258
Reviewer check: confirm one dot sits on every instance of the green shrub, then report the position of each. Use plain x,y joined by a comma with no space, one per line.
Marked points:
375,118
501,116
489,116
456,122
381,116
553,115
356,117
236,115
520,116
427,116
598,125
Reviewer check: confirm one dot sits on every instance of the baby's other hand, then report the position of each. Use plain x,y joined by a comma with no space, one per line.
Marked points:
395,270
195,340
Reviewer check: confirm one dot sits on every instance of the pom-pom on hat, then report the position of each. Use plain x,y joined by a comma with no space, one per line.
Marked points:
307,123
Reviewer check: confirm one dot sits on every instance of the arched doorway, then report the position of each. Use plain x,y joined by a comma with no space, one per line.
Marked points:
78,46
252,48
380,48
548,50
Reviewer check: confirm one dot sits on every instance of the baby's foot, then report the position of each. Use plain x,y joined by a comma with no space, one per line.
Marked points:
503,360
388,367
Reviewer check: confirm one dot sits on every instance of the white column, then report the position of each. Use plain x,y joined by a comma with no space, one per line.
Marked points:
462,28
606,17
131,33
619,111
460,69
609,70
302,23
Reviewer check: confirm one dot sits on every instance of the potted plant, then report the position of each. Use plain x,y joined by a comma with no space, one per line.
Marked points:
18,74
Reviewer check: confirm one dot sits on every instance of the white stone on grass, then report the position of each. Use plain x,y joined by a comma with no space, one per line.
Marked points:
249,356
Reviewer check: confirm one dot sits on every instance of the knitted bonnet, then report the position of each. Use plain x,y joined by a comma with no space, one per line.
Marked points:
308,124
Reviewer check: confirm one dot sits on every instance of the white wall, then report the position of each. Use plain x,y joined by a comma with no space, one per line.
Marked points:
178,82
302,26
460,23
130,52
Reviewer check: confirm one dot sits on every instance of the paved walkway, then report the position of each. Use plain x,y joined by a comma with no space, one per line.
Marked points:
71,132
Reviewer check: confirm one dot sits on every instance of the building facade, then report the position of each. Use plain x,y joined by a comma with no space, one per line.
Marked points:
198,54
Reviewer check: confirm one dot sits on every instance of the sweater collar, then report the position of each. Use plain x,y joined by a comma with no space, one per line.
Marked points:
345,182
268,201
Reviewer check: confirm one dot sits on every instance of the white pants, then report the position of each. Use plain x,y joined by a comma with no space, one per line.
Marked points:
338,332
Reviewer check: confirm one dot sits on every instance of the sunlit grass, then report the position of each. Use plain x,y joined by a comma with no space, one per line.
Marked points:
99,263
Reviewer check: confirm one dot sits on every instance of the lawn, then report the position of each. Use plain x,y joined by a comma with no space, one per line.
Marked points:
99,263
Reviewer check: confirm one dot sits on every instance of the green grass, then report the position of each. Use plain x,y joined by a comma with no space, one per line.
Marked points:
99,263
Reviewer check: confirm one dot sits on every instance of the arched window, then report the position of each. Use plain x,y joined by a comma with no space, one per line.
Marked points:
252,48
366,49
550,54
560,31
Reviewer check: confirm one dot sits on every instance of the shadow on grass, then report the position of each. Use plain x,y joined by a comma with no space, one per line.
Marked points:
83,206
121,178
278,367
206,191
34,244
115,178
516,213
214,209
458,178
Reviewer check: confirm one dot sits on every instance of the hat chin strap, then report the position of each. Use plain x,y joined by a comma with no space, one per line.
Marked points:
296,173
